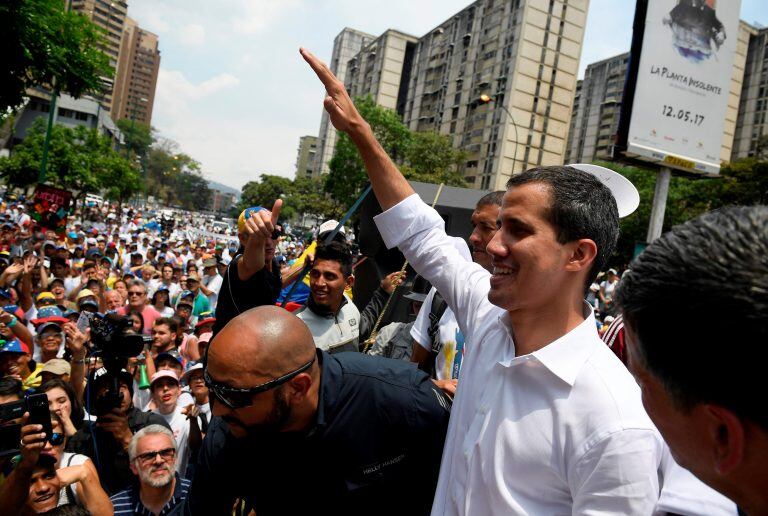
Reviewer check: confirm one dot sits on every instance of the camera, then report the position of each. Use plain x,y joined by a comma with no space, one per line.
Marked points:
10,417
113,341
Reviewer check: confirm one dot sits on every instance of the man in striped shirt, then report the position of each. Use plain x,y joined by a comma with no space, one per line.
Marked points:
160,491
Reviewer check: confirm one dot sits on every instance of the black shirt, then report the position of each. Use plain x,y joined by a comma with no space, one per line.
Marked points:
109,457
375,448
237,296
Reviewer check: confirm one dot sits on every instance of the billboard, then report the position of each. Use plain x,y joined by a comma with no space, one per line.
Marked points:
682,84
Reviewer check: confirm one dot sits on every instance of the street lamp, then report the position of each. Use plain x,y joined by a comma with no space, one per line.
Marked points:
486,99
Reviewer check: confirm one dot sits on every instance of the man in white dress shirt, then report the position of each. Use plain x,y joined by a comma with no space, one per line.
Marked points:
546,420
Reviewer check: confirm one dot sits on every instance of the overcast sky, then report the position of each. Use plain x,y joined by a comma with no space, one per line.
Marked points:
235,94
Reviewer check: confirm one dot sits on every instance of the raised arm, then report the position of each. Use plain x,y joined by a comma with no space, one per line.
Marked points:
388,183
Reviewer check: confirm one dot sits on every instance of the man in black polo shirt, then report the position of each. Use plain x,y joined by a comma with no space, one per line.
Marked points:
253,277
300,431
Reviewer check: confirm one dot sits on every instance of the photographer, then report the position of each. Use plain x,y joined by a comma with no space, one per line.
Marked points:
106,441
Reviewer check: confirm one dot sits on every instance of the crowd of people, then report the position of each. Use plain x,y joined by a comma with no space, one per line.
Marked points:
242,375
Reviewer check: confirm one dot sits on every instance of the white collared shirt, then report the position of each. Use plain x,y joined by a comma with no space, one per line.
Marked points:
559,431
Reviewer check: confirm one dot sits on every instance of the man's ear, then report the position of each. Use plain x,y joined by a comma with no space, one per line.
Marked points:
728,437
134,469
350,280
583,253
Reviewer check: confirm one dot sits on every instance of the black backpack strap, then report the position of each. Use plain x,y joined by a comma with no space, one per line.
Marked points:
435,314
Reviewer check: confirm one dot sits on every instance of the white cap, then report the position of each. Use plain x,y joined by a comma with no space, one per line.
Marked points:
626,195
330,225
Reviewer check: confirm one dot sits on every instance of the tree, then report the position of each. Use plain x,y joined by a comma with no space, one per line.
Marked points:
742,182
80,160
137,136
265,191
422,156
42,45
431,158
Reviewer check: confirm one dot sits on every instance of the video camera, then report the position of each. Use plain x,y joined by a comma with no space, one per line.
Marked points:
10,417
115,342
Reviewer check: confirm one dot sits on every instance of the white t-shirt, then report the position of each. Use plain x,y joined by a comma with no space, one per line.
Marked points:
180,427
70,459
213,283
448,360
608,289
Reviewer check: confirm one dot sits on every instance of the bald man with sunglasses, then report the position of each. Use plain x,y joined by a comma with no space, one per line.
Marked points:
297,430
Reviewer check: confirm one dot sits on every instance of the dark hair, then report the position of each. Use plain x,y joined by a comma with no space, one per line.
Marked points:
167,297
88,264
69,509
167,321
78,414
582,207
137,314
491,199
338,252
10,386
57,260
712,274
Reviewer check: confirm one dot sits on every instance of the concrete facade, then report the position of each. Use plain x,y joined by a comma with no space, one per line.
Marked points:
70,112
382,70
522,53
345,46
136,77
753,103
596,109
110,16
307,154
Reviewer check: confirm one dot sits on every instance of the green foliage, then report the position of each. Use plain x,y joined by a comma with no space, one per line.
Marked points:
300,196
137,137
79,160
176,178
43,44
743,182
427,157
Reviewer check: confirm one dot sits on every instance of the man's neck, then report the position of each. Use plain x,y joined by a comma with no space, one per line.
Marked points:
46,355
536,327
155,498
166,411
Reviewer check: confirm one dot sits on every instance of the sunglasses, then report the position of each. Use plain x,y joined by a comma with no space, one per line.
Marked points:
238,398
56,439
135,293
149,457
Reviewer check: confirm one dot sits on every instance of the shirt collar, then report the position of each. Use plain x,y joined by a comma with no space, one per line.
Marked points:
330,383
565,356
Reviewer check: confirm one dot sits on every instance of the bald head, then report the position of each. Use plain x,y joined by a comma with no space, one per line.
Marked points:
260,344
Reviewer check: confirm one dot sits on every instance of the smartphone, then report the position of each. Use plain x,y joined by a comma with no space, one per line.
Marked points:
39,413
84,321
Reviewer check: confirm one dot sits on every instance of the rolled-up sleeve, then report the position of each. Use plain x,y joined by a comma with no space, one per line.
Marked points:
419,232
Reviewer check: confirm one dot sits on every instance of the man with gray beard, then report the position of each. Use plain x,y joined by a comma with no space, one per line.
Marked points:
152,453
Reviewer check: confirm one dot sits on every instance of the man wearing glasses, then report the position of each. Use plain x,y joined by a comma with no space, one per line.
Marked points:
160,490
301,431
138,302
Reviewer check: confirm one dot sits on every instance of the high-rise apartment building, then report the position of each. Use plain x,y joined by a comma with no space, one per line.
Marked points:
382,70
307,154
596,109
109,16
753,106
524,54
136,77
345,46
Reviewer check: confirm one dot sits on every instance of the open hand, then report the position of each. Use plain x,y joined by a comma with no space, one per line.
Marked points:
341,109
